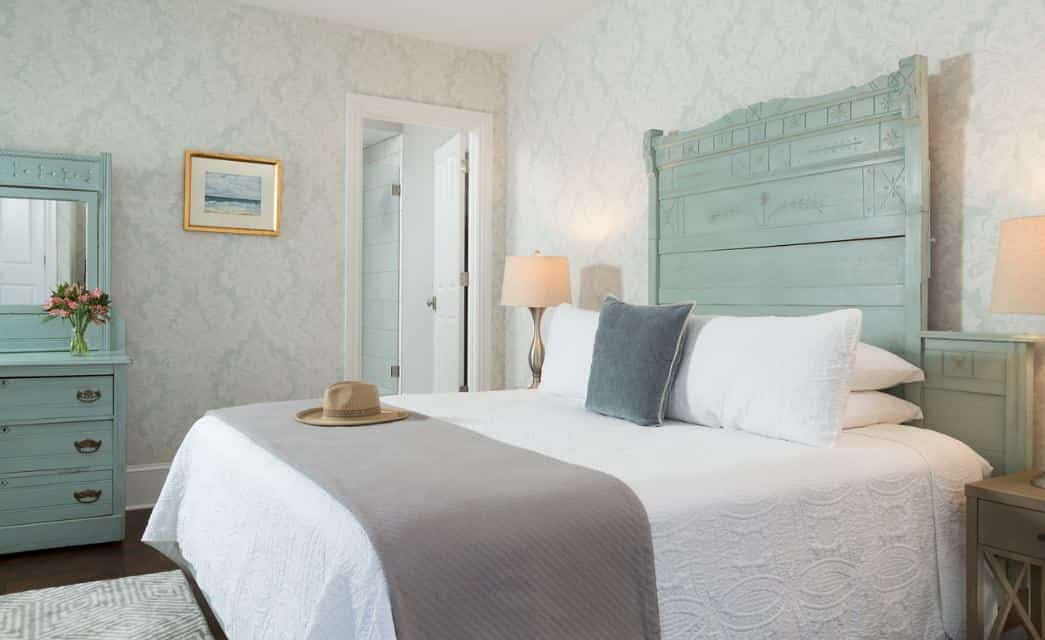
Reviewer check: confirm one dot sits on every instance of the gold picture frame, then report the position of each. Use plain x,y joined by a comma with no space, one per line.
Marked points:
226,193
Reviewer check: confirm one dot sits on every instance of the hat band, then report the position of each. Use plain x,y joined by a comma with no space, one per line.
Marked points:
351,413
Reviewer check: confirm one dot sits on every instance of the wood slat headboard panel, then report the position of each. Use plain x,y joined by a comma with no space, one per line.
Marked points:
800,206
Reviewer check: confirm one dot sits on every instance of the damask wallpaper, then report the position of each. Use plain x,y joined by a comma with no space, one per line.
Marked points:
580,99
215,319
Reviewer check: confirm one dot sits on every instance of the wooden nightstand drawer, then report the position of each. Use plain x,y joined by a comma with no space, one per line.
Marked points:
1012,528
58,397
65,445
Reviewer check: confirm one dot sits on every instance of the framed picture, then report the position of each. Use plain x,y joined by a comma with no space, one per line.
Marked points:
231,194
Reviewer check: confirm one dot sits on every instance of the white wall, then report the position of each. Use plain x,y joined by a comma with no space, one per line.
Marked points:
417,232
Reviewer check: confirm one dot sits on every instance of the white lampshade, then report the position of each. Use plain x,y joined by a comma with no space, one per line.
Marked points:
535,281
1019,280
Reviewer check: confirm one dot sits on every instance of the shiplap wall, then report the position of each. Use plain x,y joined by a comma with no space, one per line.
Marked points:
382,169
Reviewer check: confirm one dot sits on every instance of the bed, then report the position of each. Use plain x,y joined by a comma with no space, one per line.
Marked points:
753,537
787,207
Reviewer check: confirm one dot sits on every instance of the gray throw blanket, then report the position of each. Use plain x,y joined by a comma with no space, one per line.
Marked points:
477,538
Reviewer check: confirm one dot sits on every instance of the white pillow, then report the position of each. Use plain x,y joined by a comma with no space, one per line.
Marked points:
876,368
780,377
568,351
875,407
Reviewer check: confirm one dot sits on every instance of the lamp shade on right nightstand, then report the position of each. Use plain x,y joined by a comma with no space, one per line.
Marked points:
1019,280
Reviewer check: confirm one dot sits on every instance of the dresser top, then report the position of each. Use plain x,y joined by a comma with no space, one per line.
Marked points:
62,358
1014,489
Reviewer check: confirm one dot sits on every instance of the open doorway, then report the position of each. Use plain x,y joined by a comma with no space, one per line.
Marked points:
415,307
415,313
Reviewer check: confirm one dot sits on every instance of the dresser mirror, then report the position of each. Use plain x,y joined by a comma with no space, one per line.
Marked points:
43,242
54,228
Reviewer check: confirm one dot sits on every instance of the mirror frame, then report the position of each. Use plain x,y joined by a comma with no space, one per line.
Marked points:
90,201
50,176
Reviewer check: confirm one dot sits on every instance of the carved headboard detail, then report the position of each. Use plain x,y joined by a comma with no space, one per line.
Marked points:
799,206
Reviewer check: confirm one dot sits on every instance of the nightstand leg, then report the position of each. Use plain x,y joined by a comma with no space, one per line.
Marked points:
1037,599
999,568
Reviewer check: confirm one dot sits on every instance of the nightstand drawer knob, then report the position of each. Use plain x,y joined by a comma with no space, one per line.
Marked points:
87,445
87,496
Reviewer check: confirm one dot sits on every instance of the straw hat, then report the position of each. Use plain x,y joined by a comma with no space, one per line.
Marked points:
350,404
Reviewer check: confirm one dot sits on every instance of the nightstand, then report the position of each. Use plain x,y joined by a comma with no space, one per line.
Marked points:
979,388
1005,551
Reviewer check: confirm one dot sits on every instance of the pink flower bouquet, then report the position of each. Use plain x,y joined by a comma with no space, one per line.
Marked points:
79,306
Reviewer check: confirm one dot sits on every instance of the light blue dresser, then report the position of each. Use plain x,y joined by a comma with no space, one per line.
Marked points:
62,417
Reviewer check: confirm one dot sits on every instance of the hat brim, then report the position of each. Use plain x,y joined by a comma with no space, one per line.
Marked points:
315,417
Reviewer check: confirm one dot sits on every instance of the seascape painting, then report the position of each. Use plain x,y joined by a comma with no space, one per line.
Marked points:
226,193
232,194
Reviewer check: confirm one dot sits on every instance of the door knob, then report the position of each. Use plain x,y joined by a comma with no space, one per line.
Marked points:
431,302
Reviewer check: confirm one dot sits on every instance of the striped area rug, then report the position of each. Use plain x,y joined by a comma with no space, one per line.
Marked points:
157,606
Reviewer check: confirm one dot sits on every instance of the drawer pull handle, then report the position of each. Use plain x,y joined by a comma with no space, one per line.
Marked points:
88,395
87,445
87,496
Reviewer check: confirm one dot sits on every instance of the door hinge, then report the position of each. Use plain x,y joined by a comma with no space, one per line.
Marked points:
464,164
463,388
397,190
463,280
394,372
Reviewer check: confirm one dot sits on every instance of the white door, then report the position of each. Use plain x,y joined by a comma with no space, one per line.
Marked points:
448,264
23,251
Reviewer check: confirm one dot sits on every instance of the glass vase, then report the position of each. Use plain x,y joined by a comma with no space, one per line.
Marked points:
78,345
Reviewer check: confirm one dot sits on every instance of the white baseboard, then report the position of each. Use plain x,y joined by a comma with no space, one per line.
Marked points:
144,482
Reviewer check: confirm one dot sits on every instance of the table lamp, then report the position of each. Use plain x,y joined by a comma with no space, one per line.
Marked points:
537,282
1019,280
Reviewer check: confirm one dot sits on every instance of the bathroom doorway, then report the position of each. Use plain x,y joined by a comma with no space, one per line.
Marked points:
414,306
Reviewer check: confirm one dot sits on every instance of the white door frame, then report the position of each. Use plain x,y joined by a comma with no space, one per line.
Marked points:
478,126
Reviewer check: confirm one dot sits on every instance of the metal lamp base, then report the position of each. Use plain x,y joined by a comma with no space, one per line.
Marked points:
536,347
1039,481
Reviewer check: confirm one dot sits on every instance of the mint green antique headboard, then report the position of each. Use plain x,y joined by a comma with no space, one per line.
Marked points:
799,206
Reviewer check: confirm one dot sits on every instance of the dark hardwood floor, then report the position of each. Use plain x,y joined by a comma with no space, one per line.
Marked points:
70,565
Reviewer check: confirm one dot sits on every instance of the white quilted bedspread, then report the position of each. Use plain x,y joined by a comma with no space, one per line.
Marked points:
754,538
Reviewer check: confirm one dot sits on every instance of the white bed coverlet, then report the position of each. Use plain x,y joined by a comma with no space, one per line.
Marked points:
753,537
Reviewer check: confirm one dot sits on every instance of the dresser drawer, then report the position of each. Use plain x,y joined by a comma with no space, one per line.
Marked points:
64,445
51,497
59,397
1012,528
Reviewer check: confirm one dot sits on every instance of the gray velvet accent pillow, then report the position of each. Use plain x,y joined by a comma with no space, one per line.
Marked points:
637,349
